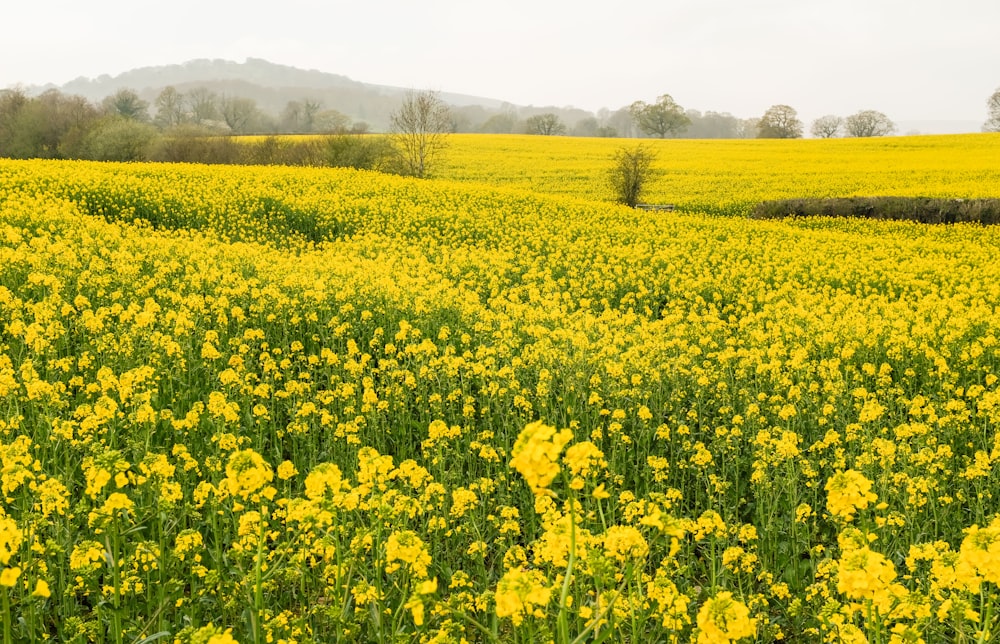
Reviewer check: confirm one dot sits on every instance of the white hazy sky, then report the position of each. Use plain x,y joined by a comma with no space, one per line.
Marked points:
912,59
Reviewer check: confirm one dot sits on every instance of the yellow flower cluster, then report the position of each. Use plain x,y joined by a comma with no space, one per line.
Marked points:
848,492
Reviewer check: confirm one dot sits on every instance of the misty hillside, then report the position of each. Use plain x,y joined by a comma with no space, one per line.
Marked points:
271,85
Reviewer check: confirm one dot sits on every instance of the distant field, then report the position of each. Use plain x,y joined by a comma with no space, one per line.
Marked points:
731,176
273,404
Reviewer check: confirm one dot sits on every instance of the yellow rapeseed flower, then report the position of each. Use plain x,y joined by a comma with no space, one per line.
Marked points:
536,454
723,619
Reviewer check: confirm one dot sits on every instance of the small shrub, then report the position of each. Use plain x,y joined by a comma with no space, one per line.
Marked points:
631,171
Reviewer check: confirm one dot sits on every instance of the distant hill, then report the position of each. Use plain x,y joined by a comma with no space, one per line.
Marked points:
271,85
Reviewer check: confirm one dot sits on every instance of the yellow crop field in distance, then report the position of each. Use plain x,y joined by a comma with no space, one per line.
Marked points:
731,176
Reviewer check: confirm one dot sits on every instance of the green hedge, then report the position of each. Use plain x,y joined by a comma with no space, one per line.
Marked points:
923,209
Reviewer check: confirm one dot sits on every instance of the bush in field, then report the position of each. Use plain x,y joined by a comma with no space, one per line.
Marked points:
630,173
120,139
357,151
195,144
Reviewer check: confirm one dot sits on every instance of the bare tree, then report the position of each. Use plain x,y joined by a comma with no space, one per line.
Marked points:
204,104
630,173
291,117
827,127
869,123
547,124
779,122
310,108
992,123
419,130
663,118
170,107
238,113
747,128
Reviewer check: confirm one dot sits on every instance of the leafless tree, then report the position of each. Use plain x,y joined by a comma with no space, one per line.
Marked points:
419,129
170,107
869,123
827,127
238,113
992,123
204,104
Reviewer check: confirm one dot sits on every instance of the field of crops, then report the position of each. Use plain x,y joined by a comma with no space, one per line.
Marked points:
731,176
304,405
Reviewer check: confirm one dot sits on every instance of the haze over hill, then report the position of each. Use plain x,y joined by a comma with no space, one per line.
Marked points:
272,86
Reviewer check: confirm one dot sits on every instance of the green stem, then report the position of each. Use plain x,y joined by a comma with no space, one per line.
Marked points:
984,632
7,638
563,620
258,591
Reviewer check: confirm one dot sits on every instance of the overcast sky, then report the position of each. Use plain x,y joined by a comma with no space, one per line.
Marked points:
912,59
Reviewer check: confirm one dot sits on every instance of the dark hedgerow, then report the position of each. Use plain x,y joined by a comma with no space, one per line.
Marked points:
921,209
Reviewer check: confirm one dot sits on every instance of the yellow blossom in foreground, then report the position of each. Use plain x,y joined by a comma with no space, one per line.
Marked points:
405,547
622,543
981,550
10,539
848,492
8,577
246,473
723,619
866,575
522,593
536,454
41,589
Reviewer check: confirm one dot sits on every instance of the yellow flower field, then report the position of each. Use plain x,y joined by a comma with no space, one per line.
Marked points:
304,405
731,176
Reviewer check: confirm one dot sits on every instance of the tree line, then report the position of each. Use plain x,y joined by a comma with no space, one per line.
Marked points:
178,126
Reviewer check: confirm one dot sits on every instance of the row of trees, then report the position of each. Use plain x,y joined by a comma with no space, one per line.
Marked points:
782,122
120,128
665,118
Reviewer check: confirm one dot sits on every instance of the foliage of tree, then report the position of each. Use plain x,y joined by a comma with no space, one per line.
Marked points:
630,173
827,127
502,123
992,123
779,122
419,130
346,150
49,126
547,124
712,125
126,104
663,118
299,117
331,121
868,123
116,138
